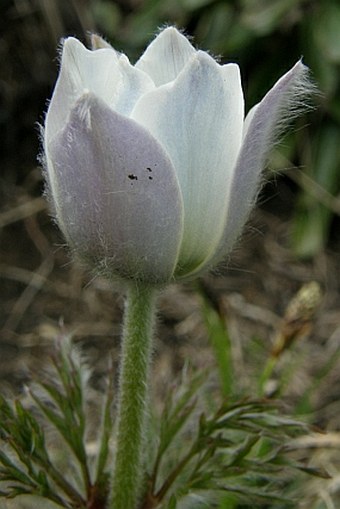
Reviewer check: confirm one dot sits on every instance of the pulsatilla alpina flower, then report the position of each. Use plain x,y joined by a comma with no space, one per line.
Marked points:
152,169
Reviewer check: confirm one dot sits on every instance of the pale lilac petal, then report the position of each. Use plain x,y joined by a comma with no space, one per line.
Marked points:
198,119
263,124
103,72
166,56
116,194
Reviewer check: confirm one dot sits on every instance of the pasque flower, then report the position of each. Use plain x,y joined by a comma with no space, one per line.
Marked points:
152,168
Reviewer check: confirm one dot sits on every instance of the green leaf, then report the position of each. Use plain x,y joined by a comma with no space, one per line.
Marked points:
243,450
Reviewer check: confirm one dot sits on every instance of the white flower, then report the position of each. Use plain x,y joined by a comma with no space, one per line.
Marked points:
152,169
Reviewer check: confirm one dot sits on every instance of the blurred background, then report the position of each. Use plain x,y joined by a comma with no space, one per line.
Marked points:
293,237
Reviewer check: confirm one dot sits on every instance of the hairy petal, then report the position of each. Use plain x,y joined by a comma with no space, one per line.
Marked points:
166,56
116,194
199,120
263,125
104,72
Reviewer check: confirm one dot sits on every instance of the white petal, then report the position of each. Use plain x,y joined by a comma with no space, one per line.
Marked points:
198,119
263,123
103,72
166,56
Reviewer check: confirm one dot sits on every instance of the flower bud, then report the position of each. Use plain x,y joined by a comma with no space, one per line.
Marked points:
152,169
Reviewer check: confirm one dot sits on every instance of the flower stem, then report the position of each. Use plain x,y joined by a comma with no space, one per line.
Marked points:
134,374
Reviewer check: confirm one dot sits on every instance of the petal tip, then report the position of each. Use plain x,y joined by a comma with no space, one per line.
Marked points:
97,42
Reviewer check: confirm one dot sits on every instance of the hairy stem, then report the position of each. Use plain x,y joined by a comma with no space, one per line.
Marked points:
134,375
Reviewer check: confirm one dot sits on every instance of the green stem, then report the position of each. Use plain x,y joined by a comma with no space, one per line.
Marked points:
134,374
